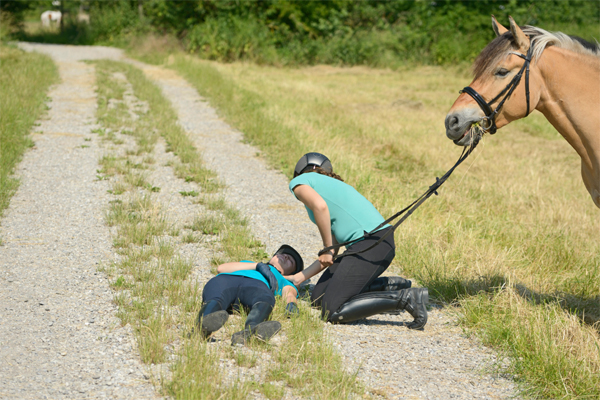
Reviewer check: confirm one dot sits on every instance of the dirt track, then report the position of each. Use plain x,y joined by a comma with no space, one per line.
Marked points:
54,237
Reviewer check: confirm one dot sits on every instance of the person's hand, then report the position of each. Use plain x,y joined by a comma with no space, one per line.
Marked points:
291,310
291,278
265,271
326,259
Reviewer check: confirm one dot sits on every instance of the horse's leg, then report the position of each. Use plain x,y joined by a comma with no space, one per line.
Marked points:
592,183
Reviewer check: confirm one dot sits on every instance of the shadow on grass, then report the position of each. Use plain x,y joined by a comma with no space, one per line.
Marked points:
586,309
451,291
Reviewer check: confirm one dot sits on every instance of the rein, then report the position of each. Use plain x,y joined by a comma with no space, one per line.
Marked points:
490,114
410,208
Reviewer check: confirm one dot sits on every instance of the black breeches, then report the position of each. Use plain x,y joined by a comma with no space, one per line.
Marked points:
233,291
350,275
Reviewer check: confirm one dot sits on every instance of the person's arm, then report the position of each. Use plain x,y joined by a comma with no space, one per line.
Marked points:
318,206
289,294
235,266
307,273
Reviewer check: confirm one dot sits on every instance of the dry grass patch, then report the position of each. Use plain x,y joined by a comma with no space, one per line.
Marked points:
515,214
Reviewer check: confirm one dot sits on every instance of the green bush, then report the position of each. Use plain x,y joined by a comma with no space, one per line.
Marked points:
348,32
231,39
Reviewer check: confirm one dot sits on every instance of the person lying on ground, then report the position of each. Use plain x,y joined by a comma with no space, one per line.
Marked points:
253,286
351,288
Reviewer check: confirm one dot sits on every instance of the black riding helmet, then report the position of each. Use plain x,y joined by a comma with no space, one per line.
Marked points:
312,160
285,249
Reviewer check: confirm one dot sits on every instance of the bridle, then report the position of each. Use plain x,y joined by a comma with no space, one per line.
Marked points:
490,115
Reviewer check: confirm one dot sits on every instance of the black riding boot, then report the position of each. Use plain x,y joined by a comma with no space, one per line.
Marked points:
364,305
387,284
211,318
256,324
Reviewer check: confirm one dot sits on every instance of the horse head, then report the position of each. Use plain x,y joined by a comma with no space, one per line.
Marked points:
497,95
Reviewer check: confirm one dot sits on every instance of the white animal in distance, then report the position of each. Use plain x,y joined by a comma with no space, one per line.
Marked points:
49,17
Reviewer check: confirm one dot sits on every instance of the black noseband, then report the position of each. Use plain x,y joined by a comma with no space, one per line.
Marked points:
490,114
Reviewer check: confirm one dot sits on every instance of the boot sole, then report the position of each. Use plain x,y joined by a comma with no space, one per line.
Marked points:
241,337
214,321
266,330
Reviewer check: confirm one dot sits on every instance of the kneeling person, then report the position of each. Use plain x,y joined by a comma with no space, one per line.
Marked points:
254,286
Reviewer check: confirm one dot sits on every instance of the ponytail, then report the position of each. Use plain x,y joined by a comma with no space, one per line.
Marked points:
321,171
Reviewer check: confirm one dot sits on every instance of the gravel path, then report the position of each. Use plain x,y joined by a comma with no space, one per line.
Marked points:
59,337
52,229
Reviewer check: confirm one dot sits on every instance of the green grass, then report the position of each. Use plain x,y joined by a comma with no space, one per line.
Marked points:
154,291
515,215
24,82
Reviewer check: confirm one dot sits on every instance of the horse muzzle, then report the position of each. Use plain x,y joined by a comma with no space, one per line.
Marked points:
458,126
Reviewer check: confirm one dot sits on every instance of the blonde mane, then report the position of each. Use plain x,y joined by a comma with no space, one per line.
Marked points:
543,39
501,47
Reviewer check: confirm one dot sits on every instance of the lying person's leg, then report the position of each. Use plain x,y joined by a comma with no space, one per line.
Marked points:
256,296
218,294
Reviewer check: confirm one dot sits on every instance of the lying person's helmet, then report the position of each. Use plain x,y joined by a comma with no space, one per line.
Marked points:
285,249
312,160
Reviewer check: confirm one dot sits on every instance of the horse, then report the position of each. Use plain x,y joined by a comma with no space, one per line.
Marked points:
562,81
50,16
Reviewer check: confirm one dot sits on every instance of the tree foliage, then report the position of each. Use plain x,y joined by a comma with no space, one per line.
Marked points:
370,32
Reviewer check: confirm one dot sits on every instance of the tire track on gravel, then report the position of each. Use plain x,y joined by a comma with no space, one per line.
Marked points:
59,334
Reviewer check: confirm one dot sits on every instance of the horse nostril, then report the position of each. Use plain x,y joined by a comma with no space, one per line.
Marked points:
452,122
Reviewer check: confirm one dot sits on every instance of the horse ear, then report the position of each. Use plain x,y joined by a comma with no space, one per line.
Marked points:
520,38
499,29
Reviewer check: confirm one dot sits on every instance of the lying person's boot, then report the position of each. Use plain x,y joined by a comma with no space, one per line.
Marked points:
257,324
211,318
266,330
388,283
241,337
263,331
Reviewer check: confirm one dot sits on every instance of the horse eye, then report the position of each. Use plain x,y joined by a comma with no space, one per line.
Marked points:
502,72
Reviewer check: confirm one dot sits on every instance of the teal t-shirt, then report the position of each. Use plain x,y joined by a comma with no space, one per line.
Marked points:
351,213
251,273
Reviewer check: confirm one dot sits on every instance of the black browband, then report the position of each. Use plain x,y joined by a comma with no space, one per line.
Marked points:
490,114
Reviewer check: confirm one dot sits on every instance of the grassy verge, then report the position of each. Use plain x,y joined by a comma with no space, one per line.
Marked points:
156,292
514,220
24,81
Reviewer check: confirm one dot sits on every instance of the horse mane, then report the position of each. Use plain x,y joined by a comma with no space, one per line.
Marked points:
500,47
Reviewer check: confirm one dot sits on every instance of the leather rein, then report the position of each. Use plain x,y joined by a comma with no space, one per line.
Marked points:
490,115
409,209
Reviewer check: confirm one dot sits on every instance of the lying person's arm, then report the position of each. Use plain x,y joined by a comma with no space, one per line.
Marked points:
289,294
236,266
